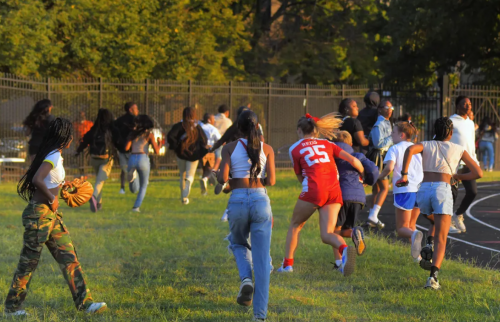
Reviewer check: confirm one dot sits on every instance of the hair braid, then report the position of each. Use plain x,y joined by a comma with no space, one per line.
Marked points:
442,128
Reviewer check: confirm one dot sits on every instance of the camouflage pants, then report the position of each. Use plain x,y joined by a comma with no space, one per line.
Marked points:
42,226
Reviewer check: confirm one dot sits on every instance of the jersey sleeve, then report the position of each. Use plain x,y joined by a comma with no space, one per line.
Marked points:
53,158
336,150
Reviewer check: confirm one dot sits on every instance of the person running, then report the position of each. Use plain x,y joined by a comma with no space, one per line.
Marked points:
222,122
251,164
314,164
353,194
381,140
102,138
488,135
463,135
209,160
189,142
35,125
348,108
440,160
138,143
43,224
125,125
405,197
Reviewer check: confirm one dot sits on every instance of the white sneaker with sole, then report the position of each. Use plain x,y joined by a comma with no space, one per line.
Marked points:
122,191
246,292
185,201
136,210
416,243
224,217
204,186
288,269
17,313
458,222
348,261
96,308
453,229
219,188
432,283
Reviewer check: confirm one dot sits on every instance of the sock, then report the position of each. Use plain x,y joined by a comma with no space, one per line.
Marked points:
341,249
287,262
373,215
430,240
434,272
338,262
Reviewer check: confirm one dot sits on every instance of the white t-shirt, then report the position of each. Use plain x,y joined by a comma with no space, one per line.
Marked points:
211,132
464,134
434,154
396,153
222,123
57,174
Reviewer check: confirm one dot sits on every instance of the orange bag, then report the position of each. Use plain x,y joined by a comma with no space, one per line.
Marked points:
76,192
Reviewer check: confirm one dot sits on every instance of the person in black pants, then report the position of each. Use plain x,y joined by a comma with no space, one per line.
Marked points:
125,124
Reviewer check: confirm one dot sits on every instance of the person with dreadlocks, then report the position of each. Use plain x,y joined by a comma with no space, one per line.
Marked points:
43,224
189,142
36,123
314,164
440,160
138,143
102,138
252,168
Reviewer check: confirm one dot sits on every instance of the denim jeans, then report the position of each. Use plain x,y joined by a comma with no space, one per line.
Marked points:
187,170
139,162
488,153
249,212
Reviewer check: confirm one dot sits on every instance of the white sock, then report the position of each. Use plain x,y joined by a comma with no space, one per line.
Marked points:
373,215
338,262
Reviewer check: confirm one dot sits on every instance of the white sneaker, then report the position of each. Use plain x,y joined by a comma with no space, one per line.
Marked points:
17,313
185,201
204,186
219,188
132,175
348,261
96,308
224,217
458,222
122,191
416,243
432,283
246,291
288,269
136,210
453,229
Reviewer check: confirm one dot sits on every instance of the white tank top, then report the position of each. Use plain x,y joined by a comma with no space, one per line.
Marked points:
57,174
241,163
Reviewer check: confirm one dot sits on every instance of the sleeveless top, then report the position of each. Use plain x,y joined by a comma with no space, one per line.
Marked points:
140,145
241,163
57,174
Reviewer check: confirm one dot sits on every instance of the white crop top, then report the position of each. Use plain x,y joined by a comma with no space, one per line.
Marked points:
241,163
434,153
57,174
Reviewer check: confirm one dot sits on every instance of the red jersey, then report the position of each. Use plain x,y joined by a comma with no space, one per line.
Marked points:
314,159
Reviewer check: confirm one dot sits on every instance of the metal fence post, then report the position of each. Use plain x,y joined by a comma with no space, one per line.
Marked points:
343,91
445,98
146,101
48,87
231,96
306,105
189,92
100,92
268,122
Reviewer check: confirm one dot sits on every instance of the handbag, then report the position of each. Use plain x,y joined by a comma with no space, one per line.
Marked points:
453,181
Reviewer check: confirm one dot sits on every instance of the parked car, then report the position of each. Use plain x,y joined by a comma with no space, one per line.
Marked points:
13,147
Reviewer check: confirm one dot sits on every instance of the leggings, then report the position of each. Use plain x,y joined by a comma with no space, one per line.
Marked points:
470,194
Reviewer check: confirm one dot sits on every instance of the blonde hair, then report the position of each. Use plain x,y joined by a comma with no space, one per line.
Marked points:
407,128
326,125
344,137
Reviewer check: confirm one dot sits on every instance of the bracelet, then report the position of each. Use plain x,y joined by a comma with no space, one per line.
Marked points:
404,173
50,203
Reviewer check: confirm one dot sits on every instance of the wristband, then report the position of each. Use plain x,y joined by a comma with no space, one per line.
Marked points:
404,173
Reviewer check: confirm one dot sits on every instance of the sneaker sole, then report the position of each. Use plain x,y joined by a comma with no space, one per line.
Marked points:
359,241
102,309
351,261
432,287
245,297
218,188
425,264
416,244
93,204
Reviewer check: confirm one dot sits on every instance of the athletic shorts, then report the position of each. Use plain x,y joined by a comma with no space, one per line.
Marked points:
322,198
348,214
405,200
435,198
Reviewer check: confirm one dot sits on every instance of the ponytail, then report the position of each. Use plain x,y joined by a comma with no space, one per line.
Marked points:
248,126
326,125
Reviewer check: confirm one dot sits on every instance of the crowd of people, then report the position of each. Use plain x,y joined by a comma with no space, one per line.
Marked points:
335,158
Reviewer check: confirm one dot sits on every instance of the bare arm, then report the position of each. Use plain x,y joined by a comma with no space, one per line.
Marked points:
270,167
475,170
223,175
409,153
360,137
388,168
40,174
356,164
153,143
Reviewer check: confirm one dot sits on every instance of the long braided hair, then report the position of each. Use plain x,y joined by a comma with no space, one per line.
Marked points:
247,124
442,128
57,137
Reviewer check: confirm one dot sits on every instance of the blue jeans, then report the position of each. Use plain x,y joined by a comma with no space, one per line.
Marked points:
488,153
139,162
249,212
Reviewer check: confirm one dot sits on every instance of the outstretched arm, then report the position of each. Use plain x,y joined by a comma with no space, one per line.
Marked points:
356,164
475,170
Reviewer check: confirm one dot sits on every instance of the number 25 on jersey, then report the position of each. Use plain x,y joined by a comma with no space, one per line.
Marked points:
315,151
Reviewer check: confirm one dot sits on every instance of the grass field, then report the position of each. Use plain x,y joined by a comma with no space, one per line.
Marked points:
169,263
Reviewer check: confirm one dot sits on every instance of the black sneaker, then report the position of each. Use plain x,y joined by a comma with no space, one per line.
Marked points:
93,204
427,252
425,264
358,237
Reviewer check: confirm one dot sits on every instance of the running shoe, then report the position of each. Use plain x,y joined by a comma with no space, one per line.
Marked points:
425,264
288,269
458,222
136,210
131,175
358,237
246,291
16,313
204,186
122,191
224,217
416,243
432,283
258,319
185,201
348,261
93,204
219,188
453,229
427,252
372,224
96,308
99,206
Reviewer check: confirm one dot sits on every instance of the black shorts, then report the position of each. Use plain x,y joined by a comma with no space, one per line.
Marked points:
348,214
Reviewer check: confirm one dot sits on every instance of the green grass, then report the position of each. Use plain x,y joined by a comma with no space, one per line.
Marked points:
169,263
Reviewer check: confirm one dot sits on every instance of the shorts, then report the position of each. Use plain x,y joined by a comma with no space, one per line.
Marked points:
435,198
348,214
406,200
123,158
218,153
322,198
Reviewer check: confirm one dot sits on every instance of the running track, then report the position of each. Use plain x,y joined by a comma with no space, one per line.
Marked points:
480,243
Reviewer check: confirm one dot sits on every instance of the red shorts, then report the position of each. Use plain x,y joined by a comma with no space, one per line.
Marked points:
322,198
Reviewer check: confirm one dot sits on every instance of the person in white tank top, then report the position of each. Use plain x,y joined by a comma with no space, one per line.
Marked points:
251,164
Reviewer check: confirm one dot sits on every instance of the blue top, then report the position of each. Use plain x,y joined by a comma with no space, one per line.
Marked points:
381,134
350,183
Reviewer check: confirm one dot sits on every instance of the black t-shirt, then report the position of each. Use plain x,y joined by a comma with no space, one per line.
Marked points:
352,126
